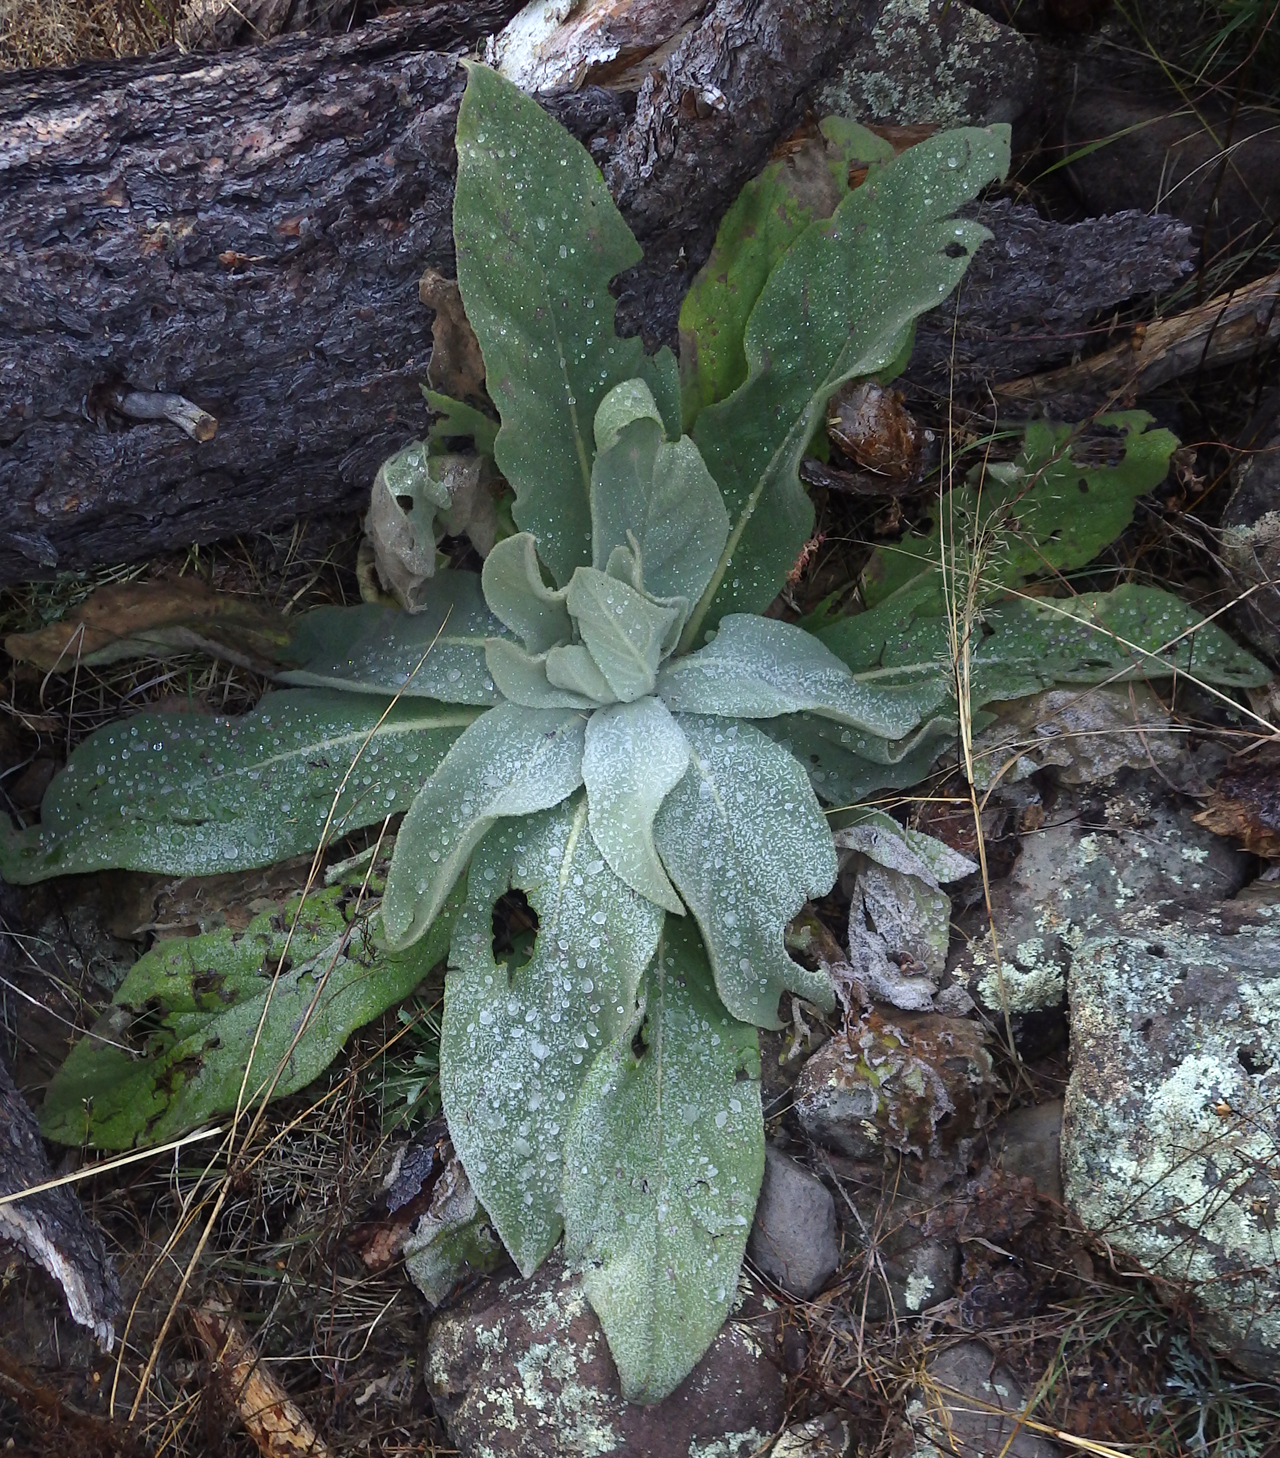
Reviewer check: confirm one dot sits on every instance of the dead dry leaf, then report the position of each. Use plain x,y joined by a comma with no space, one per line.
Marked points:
156,620
1245,805
457,366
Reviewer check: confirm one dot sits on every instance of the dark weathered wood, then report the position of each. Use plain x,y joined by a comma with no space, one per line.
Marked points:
247,231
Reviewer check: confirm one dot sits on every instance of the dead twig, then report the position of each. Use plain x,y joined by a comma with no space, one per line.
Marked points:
1227,328
272,1419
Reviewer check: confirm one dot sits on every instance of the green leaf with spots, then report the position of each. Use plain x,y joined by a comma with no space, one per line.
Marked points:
663,1164
746,845
1049,510
838,305
189,796
171,1051
763,221
516,1046
538,240
516,594
625,631
511,761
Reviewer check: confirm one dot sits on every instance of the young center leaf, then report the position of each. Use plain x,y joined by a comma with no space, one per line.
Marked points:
663,1163
538,240
838,305
171,1050
635,755
516,1045
189,796
746,845
511,761
756,668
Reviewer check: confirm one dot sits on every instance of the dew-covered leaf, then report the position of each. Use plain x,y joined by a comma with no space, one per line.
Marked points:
664,1160
661,495
522,679
189,796
756,668
171,1051
624,630
436,652
634,755
767,216
574,669
1045,511
516,1046
746,845
538,240
511,761
845,765
840,304
517,595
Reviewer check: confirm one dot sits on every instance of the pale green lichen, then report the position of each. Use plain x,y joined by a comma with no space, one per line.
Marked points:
1169,1145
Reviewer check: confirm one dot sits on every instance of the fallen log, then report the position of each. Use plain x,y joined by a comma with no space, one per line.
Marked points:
209,264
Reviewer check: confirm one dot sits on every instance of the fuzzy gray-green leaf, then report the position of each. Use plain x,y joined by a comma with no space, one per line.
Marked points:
661,494
756,668
170,1052
538,240
511,761
189,796
664,1160
838,305
634,755
624,630
744,841
516,1047
434,653
517,595
522,679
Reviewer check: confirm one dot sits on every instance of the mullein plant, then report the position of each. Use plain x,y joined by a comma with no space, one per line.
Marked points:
601,719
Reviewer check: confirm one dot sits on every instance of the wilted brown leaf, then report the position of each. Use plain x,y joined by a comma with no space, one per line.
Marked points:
456,367
1245,805
156,620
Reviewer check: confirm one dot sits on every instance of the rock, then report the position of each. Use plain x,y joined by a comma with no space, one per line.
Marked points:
951,1411
1137,850
1028,1142
934,61
521,1369
1165,158
918,1083
820,1437
794,1240
1250,533
1169,1128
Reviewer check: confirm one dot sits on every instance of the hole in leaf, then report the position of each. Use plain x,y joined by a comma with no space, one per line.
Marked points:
638,1045
1082,486
956,250
405,503
1155,950
515,929
1254,1061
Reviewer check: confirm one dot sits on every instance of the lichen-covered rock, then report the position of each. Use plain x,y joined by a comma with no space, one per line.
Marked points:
1169,1135
1138,853
970,1403
934,61
521,1369
918,1083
